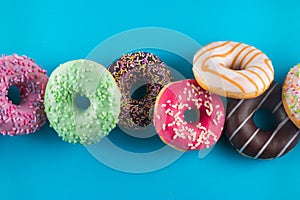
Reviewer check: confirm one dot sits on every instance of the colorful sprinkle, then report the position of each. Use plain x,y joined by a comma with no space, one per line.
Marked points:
290,90
84,78
30,79
134,68
179,133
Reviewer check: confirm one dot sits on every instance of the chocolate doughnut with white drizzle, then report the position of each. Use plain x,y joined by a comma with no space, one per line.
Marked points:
250,140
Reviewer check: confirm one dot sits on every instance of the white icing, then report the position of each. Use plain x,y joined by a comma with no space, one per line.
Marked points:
215,64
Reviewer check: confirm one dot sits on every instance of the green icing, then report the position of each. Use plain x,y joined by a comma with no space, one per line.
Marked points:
87,78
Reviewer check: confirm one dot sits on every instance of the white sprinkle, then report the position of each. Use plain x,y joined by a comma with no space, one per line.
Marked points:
171,124
208,105
215,122
168,110
174,106
217,106
169,101
195,88
163,105
164,126
188,84
158,117
177,114
198,105
179,97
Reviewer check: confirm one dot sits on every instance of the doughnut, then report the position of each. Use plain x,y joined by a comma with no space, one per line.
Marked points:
136,68
250,140
82,78
232,69
169,116
291,96
31,80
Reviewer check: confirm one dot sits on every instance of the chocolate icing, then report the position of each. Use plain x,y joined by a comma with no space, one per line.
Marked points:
133,68
253,142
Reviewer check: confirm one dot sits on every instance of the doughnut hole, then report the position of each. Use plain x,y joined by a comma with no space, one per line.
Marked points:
14,95
82,102
191,116
138,92
264,119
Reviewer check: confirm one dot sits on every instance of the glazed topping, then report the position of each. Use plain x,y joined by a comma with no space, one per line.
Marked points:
31,80
291,89
89,79
202,133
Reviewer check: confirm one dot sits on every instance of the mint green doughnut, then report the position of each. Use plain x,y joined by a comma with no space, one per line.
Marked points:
91,80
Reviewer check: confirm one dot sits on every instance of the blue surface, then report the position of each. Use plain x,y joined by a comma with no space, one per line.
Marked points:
41,166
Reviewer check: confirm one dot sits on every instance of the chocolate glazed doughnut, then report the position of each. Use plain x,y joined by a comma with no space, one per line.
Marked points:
253,142
130,69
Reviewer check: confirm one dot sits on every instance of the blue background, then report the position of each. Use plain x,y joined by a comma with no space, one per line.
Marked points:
41,166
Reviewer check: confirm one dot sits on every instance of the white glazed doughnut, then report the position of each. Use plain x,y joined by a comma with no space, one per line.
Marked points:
233,69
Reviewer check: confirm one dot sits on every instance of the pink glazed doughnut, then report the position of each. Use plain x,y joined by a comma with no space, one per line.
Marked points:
169,116
31,81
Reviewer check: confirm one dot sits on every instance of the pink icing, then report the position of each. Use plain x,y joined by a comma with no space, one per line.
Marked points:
169,121
31,81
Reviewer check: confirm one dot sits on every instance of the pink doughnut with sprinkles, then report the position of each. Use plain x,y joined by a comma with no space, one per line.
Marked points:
171,105
31,80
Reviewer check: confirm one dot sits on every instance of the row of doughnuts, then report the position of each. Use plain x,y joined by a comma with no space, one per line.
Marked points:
230,69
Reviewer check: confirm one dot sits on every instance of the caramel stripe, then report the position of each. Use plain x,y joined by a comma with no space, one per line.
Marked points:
228,52
258,67
258,106
237,56
288,144
252,58
206,69
280,125
270,68
258,77
249,79
210,49
245,56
